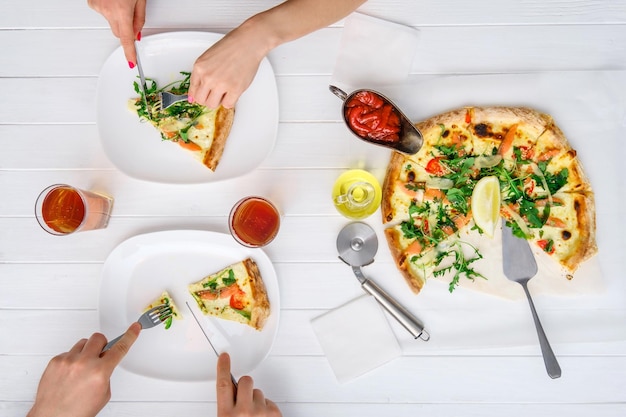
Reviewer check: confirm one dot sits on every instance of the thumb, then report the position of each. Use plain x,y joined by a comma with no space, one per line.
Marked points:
117,352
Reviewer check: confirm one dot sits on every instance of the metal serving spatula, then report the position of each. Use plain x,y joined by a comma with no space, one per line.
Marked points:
520,266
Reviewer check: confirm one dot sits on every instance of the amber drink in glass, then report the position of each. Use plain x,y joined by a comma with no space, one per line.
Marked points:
62,209
254,221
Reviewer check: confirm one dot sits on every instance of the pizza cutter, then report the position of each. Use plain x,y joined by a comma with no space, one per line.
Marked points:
357,244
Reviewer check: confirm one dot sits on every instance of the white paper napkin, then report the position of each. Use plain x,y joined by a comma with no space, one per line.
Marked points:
356,338
373,52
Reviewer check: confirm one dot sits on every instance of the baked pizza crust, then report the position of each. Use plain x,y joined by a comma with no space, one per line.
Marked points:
261,304
223,123
393,172
401,259
583,242
585,209
552,146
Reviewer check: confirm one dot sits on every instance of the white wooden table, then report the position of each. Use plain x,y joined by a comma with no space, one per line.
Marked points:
51,55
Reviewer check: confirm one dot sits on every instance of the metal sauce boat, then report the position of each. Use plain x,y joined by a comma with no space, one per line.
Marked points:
409,140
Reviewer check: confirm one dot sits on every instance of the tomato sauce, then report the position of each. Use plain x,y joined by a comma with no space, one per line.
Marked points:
372,117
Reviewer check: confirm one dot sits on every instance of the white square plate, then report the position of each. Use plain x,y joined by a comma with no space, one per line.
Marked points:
142,267
136,147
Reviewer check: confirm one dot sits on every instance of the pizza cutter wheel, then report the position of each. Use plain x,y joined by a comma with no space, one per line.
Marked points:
357,245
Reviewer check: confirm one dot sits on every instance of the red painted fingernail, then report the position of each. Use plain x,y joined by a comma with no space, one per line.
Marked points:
139,36
190,99
131,65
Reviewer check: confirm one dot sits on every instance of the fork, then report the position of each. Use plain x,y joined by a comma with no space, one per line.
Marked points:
166,99
150,318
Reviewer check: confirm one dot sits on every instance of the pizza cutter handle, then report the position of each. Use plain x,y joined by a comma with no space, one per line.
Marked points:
401,314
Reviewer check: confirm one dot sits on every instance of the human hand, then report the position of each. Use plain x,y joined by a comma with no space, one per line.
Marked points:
224,71
77,383
126,18
246,401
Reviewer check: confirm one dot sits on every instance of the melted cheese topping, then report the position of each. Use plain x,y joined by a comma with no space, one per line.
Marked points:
201,132
166,298
561,228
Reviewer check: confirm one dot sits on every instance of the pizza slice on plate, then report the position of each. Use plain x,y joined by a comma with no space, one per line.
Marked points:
201,131
235,293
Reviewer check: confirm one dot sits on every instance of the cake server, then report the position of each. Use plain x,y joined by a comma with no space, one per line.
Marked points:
520,266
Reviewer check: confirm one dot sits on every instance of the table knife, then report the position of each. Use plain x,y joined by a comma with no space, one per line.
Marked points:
142,80
232,377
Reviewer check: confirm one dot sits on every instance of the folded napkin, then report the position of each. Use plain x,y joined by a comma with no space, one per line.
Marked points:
373,52
356,338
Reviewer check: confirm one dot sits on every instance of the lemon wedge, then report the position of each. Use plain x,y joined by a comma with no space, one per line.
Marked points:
486,204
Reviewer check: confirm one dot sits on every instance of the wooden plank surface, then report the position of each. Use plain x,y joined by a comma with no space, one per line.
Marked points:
441,50
189,13
49,286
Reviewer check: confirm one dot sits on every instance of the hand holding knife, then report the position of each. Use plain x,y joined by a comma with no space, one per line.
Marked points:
232,377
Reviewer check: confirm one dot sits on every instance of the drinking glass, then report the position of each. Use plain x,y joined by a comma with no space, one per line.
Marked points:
62,209
254,221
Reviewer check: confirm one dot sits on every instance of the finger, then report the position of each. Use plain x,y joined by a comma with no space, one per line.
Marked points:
224,386
229,100
94,344
78,346
127,40
199,85
214,99
117,352
272,407
245,391
258,396
197,91
139,18
194,84
129,52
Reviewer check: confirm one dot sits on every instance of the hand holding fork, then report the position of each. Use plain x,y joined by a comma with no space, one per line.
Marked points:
77,382
150,318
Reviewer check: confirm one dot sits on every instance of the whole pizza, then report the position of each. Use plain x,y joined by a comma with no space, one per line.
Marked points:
544,194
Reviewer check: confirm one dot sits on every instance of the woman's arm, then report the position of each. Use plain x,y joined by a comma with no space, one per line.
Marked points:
222,73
